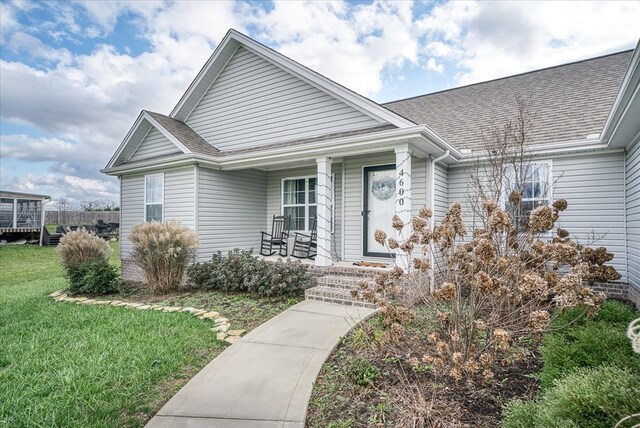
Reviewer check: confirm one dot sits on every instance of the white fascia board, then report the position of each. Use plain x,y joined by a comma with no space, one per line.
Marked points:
627,93
125,141
166,133
559,150
346,146
153,164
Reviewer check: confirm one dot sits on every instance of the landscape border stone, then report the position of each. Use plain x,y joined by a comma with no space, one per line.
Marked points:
220,324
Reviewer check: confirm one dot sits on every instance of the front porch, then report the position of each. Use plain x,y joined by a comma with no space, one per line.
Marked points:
349,197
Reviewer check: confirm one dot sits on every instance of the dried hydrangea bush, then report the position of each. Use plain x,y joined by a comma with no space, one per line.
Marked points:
163,251
481,296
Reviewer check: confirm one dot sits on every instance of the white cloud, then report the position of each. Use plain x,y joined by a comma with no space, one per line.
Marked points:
24,147
433,65
358,47
495,39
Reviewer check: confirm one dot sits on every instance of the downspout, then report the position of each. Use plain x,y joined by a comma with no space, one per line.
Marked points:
433,179
432,259
343,208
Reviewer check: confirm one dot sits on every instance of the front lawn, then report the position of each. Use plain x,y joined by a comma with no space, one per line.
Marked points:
68,365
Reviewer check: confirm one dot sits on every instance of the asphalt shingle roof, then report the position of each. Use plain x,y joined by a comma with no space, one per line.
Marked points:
183,133
567,102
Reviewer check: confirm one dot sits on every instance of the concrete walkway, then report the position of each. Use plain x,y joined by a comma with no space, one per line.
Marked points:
265,379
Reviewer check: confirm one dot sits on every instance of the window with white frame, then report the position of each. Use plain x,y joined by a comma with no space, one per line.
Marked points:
533,182
154,197
299,201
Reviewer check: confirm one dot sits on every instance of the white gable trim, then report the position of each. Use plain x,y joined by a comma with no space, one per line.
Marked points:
127,139
230,43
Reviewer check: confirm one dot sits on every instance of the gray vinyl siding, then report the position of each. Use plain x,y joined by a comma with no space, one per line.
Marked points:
154,144
178,201
593,185
274,198
231,210
354,191
633,213
459,192
254,103
441,201
131,209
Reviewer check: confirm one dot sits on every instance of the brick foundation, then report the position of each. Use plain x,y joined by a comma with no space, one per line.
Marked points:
619,290
131,272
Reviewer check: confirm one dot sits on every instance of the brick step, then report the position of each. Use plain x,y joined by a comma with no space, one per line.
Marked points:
347,271
339,281
340,296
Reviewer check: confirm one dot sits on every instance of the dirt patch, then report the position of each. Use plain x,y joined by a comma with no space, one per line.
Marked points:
245,311
400,396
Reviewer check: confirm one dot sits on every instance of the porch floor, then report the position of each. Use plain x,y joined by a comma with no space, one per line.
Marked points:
342,264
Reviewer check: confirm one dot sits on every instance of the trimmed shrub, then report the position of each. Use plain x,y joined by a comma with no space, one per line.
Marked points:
163,250
587,398
589,343
95,277
240,271
82,246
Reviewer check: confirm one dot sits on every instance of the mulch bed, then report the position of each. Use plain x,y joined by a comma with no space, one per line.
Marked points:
402,397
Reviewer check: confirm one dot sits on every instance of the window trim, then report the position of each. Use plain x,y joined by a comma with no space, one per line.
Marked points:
146,204
306,200
549,193
306,204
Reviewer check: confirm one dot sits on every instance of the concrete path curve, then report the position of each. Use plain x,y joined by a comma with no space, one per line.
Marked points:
265,379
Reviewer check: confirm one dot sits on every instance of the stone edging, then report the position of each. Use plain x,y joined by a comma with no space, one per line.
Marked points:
220,325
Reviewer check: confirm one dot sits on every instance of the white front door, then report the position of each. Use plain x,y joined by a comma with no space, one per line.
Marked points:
379,206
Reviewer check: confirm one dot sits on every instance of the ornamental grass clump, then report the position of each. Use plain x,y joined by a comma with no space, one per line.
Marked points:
163,250
80,246
85,258
480,296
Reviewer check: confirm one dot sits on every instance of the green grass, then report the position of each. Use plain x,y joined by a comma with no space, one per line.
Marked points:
67,365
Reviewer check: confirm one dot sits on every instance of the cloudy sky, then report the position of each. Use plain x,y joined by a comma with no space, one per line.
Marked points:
74,75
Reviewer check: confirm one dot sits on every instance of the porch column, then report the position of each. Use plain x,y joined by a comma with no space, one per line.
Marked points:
323,199
403,199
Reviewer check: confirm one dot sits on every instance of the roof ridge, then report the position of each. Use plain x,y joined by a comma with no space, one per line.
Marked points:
508,77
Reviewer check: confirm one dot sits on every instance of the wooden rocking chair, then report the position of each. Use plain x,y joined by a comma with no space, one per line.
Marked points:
305,245
279,237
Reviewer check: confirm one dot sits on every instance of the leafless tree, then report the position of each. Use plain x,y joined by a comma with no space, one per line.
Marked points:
504,163
99,205
63,204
